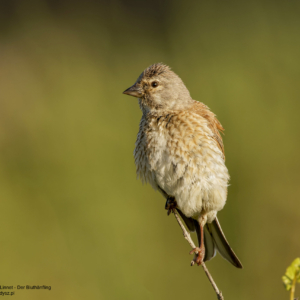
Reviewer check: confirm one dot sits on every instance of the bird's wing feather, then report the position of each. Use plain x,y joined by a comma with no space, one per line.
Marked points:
213,123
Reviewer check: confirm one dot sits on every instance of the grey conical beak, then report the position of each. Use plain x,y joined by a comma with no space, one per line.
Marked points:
134,91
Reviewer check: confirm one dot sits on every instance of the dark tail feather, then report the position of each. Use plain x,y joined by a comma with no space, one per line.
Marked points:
214,239
221,243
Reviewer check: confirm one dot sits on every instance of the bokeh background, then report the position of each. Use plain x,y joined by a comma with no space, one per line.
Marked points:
73,215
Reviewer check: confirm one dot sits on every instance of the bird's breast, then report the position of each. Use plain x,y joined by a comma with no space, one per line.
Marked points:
176,153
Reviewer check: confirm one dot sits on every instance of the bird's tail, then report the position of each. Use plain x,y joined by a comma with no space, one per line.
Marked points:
215,231
214,240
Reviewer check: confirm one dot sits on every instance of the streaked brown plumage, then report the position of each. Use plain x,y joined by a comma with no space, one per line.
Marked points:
180,152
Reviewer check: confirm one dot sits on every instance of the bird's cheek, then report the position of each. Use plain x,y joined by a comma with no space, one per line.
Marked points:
157,99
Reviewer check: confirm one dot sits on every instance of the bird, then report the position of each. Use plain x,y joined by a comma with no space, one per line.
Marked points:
179,151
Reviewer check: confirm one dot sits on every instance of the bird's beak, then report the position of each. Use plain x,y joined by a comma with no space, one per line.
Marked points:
134,91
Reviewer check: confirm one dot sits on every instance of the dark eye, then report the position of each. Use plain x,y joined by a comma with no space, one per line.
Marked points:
154,84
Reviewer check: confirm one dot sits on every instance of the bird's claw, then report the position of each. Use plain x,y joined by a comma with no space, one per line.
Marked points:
170,205
199,256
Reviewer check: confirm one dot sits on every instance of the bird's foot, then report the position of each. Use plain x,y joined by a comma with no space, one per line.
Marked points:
199,256
171,204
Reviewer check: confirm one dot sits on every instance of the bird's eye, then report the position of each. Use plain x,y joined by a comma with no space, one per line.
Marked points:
154,84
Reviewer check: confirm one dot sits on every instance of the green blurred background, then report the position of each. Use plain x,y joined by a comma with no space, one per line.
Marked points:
73,215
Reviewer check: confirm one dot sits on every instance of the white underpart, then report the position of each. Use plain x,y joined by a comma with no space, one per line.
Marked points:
183,160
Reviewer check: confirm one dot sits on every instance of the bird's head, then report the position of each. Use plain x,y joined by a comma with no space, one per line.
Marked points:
160,88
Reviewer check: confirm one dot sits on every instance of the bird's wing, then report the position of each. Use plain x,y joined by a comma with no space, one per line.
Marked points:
213,123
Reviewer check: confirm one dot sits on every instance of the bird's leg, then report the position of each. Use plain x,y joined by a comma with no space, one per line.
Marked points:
170,205
201,249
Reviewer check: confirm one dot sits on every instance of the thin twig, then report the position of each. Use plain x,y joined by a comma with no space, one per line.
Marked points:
187,236
293,288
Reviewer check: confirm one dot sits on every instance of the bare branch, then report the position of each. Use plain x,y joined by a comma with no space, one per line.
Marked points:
187,236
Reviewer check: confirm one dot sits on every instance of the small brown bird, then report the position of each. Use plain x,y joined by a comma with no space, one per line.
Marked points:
180,152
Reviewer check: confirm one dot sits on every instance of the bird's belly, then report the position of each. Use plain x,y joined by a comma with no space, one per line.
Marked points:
189,166
198,183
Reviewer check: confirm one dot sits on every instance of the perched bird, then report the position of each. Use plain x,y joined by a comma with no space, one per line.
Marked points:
179,151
